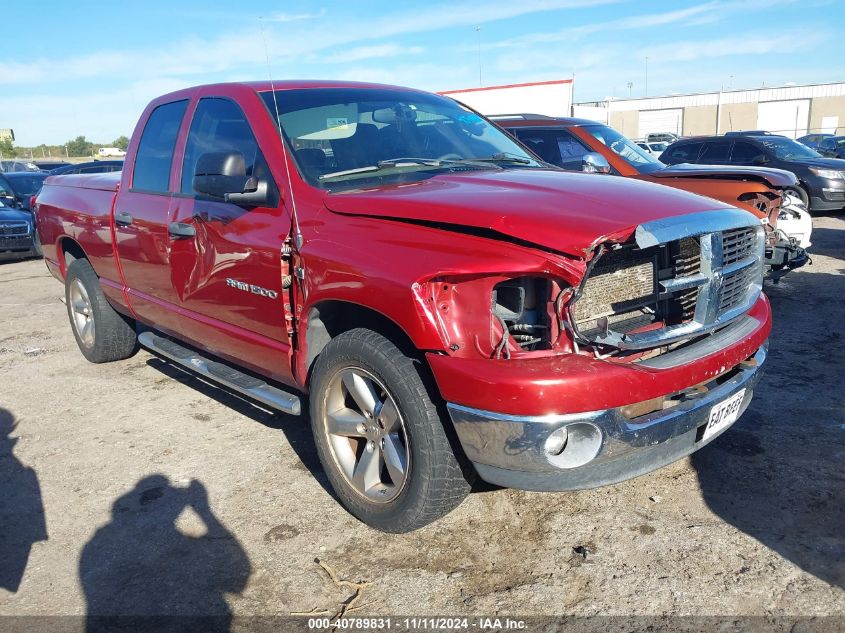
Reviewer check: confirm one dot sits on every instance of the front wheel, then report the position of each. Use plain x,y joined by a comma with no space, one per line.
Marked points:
799,193
379,435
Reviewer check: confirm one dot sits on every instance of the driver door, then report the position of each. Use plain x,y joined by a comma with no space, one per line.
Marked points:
228,274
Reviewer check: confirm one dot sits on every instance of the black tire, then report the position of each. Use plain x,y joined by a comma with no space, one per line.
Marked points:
435,483
799,191
112,336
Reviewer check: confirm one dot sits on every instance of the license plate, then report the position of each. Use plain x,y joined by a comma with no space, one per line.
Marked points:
724,414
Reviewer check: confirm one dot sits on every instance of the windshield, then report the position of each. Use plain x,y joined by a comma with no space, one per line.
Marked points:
26,185
341,136
632,153
785,148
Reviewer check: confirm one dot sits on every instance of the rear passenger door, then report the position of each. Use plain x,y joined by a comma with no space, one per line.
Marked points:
228,275
141,218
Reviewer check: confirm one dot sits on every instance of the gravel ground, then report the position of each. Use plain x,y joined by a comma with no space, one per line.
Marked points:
163,494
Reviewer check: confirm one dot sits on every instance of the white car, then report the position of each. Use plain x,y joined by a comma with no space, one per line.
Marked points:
794,220
654,148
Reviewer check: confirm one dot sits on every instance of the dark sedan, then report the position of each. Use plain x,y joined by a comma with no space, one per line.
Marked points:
821,180
18,187
17,234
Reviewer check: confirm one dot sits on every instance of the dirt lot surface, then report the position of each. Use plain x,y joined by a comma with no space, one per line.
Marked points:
162,494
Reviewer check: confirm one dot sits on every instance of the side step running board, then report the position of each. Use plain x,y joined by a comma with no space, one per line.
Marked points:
225,375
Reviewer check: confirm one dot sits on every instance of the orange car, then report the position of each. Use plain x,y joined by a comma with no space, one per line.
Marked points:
584,145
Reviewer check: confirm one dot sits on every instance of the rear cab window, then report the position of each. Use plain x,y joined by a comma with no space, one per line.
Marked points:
154,158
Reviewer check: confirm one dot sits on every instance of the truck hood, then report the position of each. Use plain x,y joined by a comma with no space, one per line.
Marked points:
560,211
769,175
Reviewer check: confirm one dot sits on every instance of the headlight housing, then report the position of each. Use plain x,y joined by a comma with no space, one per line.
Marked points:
830,174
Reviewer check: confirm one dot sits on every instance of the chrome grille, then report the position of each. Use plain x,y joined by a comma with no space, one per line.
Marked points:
690,284
737,244
14,229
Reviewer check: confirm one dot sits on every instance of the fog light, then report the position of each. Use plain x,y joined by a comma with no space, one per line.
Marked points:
573,445
556,442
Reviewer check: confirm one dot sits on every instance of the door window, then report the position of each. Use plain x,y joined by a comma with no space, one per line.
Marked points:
686,153
744,153
715,152
155,150
219,125
557,147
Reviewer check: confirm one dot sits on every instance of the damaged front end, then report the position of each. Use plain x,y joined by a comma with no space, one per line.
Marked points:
679,278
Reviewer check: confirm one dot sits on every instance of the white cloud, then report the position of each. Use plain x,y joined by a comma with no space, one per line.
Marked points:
295,17
361,53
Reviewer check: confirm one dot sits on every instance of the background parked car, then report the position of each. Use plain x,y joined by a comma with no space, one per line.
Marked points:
584,145
17,234
93,167
661,137
50,165
821,180
655,149
832,147
17,188
17,165
812,140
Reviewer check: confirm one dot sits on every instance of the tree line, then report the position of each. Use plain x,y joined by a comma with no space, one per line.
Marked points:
80,146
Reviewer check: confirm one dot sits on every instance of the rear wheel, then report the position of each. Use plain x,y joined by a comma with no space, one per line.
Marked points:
379,435
102,334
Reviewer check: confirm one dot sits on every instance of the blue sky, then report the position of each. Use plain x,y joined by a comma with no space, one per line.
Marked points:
90,67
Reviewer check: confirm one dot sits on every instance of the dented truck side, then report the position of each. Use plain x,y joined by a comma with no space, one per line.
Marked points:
452,306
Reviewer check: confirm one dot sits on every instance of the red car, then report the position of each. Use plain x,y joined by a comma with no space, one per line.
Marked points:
577,144
451,305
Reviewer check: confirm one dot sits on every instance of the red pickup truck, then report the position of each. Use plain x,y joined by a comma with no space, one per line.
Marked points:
453,307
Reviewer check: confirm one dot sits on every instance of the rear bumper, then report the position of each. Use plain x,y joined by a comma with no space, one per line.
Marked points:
510,450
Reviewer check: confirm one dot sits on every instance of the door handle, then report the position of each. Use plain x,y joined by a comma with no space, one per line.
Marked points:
179,230
122,218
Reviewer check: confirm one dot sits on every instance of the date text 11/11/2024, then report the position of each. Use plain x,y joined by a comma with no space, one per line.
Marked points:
418,624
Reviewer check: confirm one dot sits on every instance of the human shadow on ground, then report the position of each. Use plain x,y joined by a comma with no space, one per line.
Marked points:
22,521
778,475
142,572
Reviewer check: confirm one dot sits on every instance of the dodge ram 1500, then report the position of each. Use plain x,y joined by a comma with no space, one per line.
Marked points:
452,306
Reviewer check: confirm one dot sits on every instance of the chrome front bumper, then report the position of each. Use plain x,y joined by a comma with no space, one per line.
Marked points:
510,450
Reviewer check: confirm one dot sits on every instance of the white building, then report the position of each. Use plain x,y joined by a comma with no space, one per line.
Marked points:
552,98
789,110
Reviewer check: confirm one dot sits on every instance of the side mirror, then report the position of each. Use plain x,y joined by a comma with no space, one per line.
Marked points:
595,163
223,175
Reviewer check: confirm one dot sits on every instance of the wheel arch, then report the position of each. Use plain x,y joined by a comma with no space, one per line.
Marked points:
69,251
329,318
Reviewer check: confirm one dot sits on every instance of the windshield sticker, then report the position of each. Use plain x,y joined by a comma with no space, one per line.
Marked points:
337,123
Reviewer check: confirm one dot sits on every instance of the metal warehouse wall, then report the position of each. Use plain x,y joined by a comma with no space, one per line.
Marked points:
790,110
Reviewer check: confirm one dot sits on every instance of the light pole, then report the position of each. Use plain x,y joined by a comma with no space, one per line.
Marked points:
630,87
646,76
478,41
